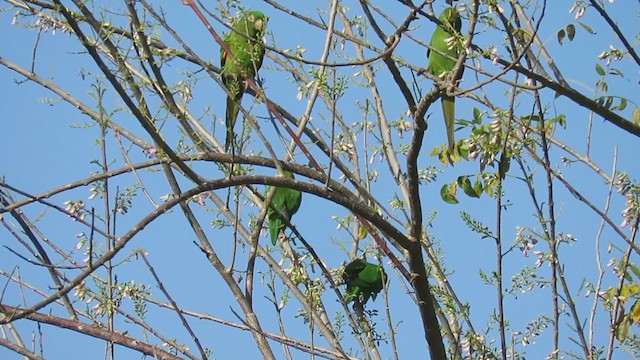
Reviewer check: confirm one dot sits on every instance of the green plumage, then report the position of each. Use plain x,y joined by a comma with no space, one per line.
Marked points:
247,59
441,66
363,280
284,204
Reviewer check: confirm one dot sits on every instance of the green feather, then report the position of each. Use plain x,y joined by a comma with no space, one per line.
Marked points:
284,204
275,226
441,65
245,62
448,112
363,280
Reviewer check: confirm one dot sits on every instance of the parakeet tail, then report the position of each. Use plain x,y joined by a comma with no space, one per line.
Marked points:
448,111
233,108
274,230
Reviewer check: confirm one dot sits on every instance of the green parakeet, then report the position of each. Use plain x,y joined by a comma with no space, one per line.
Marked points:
441,66
287,202
247,59
363,280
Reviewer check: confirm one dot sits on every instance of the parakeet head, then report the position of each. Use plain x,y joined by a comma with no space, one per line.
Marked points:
450,19
253,23
288,174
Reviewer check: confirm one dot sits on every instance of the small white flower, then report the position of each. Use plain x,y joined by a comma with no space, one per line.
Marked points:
495,58
450,41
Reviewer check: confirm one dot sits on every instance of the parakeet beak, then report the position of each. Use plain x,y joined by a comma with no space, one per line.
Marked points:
259,23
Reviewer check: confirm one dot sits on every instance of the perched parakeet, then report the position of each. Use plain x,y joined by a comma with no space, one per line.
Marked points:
246,60
363,279
287,202
440,65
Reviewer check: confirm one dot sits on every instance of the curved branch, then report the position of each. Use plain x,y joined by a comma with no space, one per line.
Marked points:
93,331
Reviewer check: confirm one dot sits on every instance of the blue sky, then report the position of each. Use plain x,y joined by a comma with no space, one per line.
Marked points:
49,144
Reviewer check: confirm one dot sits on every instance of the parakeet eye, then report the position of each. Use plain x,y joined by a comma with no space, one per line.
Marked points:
251,18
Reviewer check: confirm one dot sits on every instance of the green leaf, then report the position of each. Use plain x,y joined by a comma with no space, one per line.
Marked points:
586,27
623,327
603,86
608,102
610,295
522,35
634,313
627,277
477,115
463,150
465,184
478,186
453,156
600,70
617,72
624,291
635,116
622,105
490,184
560,119
448,193
571,31
634,268
362,233
531,118
505,164
561,34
